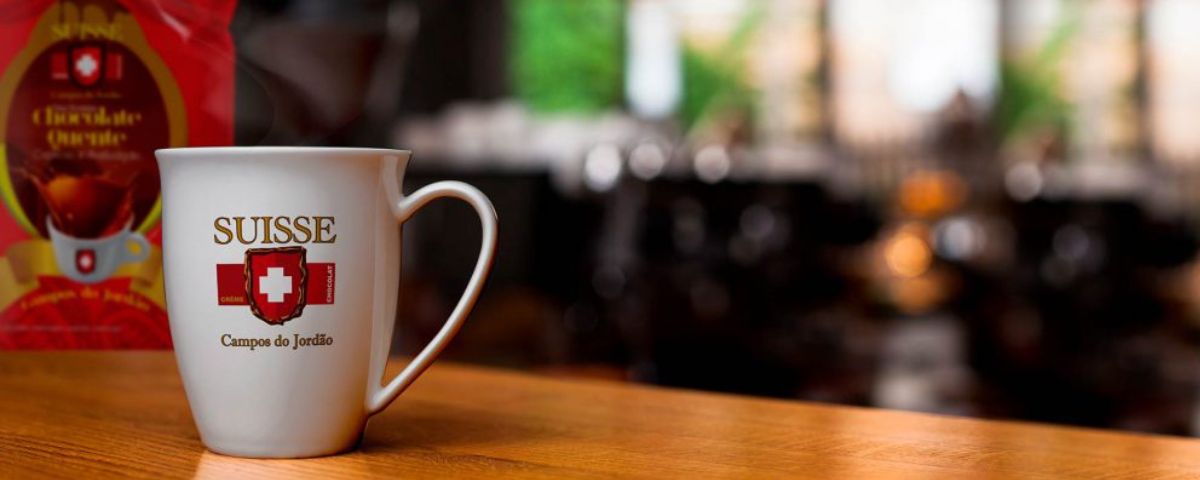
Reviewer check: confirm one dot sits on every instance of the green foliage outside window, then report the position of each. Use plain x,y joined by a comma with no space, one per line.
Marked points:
714,82
568,55
1031,96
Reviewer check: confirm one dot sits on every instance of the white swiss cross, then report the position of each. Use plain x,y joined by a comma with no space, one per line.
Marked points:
86,64
275,284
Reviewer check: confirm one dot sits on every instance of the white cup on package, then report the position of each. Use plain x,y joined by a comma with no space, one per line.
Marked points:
93,260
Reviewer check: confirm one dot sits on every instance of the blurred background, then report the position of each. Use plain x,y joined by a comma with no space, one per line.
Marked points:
972,207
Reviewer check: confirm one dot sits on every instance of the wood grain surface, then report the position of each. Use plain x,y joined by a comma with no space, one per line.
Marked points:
105,414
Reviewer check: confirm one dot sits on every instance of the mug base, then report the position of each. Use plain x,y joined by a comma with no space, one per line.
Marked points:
283,451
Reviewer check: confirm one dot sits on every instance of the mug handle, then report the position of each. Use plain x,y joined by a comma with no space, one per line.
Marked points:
143,250
403,208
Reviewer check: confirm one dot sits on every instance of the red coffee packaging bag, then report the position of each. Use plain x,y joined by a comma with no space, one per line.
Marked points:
89,89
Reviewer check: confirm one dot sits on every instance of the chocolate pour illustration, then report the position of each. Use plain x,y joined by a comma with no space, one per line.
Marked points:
86,206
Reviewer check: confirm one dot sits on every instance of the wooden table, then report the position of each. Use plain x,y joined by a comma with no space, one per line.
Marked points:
89,415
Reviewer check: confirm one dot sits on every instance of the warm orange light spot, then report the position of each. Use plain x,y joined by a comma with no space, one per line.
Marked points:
932,193
907,253
920,294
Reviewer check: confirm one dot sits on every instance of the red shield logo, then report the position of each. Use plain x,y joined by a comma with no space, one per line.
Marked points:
275,283
85,260
86,64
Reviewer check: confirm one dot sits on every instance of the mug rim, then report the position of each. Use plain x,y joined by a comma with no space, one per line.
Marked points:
181,153
124,231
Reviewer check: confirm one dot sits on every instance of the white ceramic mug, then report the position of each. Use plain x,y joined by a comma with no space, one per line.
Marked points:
93,260
282,271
